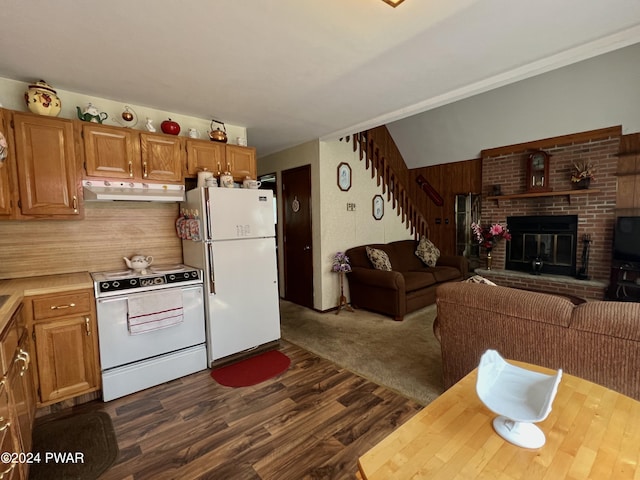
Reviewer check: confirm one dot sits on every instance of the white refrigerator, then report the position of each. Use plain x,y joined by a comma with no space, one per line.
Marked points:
237,254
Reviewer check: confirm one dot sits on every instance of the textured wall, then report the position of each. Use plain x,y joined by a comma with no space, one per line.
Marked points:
108,232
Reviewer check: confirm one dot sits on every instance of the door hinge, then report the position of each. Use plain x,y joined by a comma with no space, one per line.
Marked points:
11,123
33,334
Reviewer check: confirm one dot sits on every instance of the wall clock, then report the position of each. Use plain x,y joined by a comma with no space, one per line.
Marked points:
378,207
538,172
344,176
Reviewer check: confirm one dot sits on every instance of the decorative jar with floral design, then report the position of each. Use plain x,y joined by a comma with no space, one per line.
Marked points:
42,99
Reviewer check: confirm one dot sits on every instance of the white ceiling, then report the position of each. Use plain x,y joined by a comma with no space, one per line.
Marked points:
290,70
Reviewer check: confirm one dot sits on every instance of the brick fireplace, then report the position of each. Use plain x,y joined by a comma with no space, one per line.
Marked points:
594,208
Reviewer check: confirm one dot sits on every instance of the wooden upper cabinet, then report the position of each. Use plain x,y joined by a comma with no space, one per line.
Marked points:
162,157
241,162
6,207
47,166
116,152
5,191
205,155
111,152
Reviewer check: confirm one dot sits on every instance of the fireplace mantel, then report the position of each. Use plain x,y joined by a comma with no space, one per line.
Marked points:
567,193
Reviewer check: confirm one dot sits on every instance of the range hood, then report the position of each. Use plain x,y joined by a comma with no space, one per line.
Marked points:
104,191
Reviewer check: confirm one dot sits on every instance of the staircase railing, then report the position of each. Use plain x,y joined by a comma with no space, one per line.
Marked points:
391,184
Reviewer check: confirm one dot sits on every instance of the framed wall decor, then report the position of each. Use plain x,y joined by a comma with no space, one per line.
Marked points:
344,176
377,207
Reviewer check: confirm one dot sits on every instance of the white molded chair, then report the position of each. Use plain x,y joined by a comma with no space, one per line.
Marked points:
519,397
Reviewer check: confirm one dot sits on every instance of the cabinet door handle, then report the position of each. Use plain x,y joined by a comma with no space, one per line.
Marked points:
25,354
144,170
130,169
86,325
61,307
24,366
2,474
75,204
5,426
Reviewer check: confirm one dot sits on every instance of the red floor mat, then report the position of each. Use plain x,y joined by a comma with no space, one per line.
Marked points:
253,370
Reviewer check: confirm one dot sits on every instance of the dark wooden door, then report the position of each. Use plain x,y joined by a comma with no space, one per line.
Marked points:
298,251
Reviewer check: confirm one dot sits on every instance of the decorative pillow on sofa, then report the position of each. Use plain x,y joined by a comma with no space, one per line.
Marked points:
427,252
379,259
479,279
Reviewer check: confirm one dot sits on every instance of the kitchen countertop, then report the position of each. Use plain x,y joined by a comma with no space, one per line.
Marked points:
18,288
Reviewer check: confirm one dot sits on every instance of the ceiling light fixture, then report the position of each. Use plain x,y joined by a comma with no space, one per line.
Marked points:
393,3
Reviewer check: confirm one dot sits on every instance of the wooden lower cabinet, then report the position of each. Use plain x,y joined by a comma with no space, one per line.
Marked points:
9,437
17,399
64,335
65,350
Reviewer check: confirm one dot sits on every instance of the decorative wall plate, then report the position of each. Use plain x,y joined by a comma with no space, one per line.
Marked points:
344,176
377,207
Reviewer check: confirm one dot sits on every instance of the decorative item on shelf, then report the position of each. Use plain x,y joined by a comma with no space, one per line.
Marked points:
489,236
218,135
128,118
496,191
242,141
203,178
91,114
582,175
226,180
149,125
170,127
193,133
249,182
341,266
344,176
42,99
537,176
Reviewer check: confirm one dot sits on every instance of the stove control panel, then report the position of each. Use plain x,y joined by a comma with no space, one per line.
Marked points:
145,282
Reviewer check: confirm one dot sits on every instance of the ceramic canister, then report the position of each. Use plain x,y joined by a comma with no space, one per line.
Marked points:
42,99
202,178
226,180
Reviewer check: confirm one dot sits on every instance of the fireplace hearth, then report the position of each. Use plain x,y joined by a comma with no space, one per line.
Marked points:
543,244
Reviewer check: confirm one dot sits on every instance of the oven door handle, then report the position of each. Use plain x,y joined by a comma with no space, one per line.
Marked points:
108,300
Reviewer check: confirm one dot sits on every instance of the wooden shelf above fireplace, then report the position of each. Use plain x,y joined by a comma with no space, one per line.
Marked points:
568,193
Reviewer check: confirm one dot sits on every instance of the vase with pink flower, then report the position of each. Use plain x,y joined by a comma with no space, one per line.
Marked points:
488,236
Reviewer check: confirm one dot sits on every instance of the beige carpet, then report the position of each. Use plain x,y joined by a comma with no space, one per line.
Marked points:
403,356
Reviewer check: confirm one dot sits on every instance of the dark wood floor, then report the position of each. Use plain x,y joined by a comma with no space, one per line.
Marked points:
312,422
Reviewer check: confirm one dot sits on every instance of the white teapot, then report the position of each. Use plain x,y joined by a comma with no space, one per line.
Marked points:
139,263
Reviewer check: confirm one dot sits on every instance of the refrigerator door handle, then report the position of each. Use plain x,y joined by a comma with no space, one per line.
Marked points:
212,276
207,209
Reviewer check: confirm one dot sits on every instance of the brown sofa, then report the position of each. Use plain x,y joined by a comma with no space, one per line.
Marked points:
598,341
409,286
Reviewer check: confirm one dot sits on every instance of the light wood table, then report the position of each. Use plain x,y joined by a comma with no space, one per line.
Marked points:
592,432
